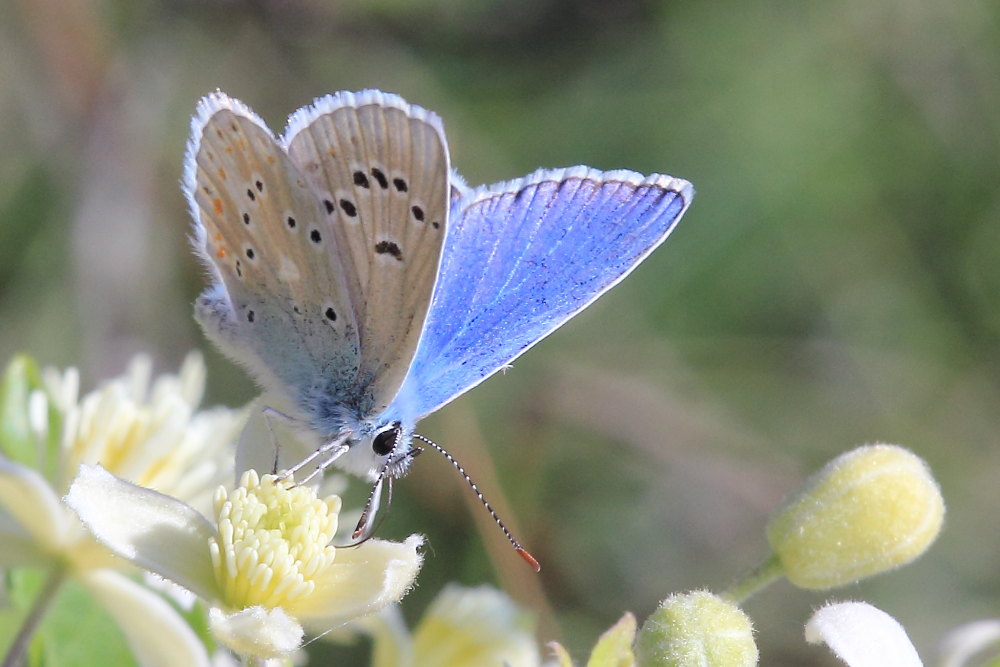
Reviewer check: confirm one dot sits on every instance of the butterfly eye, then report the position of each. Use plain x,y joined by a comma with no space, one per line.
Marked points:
385,441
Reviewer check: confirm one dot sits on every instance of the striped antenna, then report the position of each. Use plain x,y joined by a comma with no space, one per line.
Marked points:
522,552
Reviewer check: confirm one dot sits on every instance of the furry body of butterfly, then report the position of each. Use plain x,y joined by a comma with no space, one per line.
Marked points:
354,273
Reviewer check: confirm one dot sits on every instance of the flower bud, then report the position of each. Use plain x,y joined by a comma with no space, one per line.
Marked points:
865,512
696,629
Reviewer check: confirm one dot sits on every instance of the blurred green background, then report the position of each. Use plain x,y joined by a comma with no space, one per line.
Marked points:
834,283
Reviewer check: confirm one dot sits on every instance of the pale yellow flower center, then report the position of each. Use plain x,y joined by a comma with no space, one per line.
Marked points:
273,541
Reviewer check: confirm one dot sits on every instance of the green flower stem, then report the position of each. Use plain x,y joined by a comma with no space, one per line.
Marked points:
18,648
756,579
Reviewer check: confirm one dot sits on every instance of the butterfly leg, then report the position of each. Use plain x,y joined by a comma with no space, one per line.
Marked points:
333,451
269,414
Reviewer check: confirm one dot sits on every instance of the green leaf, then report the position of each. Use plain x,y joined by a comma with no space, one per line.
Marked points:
614,648
75,630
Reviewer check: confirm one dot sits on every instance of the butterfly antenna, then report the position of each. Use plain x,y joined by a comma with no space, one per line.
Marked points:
522,552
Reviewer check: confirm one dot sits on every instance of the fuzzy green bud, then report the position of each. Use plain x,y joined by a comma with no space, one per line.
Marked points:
867,511
696,629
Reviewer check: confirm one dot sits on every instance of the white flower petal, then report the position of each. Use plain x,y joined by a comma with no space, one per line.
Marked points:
180,596
154,531
192,377
362,581
862,635
137,376
29,499
155,632
960,645
223,657
38,414
63,388
256,631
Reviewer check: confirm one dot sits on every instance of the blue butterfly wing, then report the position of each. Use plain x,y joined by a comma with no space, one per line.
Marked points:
523,257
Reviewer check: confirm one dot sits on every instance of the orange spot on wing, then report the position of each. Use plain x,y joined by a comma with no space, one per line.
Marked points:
222,173
270,159
217,206
220,252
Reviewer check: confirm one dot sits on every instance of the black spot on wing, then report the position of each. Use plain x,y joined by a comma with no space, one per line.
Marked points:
389,248
383,182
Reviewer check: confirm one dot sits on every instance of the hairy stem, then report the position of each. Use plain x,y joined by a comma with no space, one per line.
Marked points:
753,581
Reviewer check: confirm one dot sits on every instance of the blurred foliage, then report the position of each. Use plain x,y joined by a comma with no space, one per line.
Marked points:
834,283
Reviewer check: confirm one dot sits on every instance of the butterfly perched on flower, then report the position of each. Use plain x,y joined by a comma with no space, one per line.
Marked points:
357,276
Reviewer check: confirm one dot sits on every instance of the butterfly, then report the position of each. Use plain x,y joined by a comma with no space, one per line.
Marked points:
354,274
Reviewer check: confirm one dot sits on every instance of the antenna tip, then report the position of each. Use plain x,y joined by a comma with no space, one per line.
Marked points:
529,559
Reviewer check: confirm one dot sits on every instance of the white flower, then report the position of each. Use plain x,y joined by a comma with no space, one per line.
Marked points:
150,434
153,433
462,626
862,635
264,562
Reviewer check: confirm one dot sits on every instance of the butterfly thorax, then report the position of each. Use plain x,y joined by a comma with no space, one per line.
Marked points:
334,405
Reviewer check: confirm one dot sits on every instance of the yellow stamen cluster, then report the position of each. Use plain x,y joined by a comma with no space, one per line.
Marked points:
273,542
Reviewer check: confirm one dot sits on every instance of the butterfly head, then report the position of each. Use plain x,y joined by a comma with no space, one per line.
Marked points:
393,447
378,450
